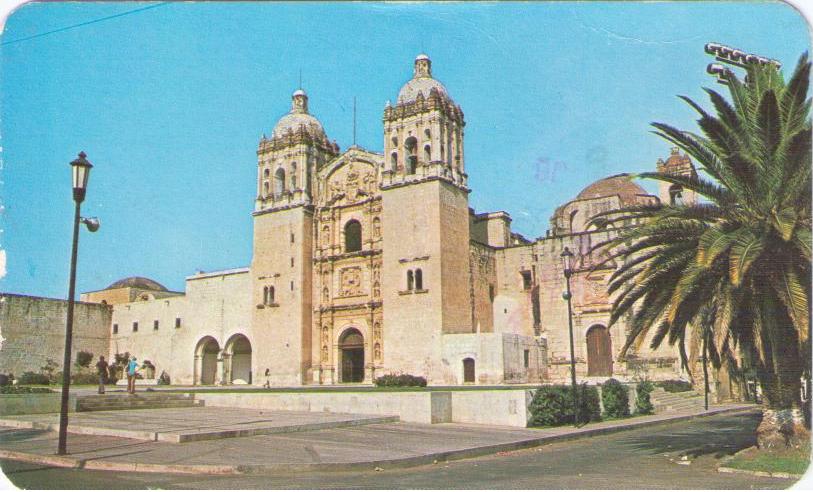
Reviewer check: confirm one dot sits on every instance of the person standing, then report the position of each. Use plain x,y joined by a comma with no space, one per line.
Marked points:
132,366
267,378
101,369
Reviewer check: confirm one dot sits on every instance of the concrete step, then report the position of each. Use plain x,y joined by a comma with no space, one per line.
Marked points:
138,401
144,406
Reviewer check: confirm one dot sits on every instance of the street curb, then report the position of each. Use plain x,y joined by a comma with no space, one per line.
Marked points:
96,464
725,469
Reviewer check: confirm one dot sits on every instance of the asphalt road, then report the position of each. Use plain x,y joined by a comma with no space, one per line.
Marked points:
646,458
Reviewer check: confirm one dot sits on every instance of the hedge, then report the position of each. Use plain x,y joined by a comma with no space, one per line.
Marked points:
675,385
20,390
615,397
33,378
400,380
643,406
553,405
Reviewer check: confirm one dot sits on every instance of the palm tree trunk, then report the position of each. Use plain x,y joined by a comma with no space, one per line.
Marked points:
783,423
705,374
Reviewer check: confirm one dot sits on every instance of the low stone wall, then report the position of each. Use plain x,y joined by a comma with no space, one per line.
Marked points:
508,407
489,407
33,403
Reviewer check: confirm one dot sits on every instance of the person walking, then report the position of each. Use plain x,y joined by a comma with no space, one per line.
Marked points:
101,369
132,366
267,378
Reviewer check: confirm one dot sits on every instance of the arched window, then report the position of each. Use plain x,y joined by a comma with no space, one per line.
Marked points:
266,173
427,153
352,236
265,295
427,133
293,176
279,183
676,195
410,280
394,161
411,147
376,227
325,295
270,295
418,279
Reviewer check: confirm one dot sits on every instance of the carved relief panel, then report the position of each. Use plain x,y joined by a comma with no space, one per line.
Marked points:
350,282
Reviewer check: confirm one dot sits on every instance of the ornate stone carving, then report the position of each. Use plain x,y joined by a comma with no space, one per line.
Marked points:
350,282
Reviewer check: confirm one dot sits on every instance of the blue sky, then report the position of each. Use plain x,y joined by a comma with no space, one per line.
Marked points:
169,104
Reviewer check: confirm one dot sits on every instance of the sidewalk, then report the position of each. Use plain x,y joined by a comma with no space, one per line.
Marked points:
383,445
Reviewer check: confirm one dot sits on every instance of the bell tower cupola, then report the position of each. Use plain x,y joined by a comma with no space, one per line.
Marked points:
423,132
287,162
676,165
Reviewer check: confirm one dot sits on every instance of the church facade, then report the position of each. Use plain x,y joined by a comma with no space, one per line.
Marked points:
367,264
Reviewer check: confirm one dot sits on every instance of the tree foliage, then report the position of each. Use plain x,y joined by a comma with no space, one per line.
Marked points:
736,262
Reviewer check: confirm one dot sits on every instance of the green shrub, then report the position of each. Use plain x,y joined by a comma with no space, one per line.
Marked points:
589,405
29,377
20,390
4,380
553,405
675,385
163,379
615,397
49,368
643,406
78,378
83,358
393,380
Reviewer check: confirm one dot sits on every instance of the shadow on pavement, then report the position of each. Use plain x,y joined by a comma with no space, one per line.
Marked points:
728,435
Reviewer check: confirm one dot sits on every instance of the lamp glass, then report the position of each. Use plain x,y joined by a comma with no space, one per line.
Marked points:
80,171
567,257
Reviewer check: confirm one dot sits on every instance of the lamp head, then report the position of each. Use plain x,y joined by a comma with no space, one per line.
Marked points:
92,223
80,168
567,260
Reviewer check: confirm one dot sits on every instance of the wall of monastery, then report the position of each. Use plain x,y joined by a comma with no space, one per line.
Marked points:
216,305
32,329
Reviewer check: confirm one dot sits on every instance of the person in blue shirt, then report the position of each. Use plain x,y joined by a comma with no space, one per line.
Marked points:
132,366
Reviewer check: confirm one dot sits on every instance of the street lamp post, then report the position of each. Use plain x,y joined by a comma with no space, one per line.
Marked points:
80,170
567,260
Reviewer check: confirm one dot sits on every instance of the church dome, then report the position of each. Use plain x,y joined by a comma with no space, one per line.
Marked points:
421,82
299,118
620,185
137,283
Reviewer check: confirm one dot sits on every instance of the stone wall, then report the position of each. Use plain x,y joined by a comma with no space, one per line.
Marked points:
33,330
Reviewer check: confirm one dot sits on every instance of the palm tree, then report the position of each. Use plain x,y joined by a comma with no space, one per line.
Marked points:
737,262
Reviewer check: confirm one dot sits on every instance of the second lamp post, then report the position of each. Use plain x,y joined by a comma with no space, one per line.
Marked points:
567,263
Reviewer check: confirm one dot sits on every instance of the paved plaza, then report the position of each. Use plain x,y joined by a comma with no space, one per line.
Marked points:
343,442
191,424
645,458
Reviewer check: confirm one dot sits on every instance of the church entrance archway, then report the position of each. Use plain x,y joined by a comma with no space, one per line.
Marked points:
206,355
238,354
468,370
351,354
599,351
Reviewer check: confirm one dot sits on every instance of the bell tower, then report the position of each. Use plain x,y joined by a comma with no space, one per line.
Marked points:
425,260
676,165
282,259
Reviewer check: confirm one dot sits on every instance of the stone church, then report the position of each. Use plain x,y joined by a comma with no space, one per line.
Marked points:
368,263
